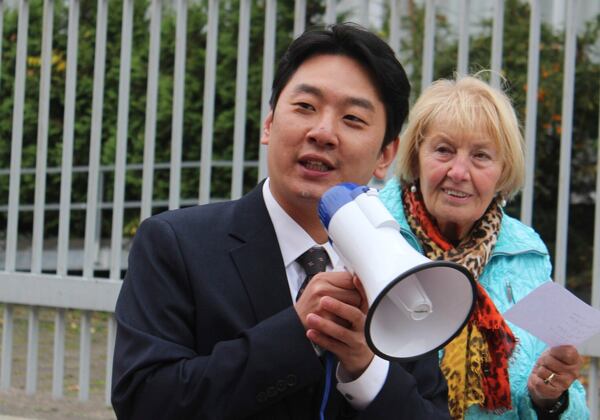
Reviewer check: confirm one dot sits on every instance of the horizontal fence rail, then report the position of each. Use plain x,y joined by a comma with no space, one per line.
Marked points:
170,115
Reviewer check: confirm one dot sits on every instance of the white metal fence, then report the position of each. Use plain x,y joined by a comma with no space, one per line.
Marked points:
43,279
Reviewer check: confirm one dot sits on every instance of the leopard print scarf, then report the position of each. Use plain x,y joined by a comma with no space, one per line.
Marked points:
475,363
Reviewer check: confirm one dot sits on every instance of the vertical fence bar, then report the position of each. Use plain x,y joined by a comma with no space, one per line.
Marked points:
7,346
208,113
399,9
267,78
58,365
110,348
119,186
533,67
299,17
97,238
151,100
403,10
564,174
92,191
14,184
394,42
241,88
593,374
91,214
557,17
17,138
497,33
40,190
363,17
178,104
330,12
68,135
121,149
394,39
58,359
85,344
463,37
42,138
33,331
428,40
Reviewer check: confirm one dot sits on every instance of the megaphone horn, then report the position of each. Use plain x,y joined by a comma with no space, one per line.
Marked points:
416,306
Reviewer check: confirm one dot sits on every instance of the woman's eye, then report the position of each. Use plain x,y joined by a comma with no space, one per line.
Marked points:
482,156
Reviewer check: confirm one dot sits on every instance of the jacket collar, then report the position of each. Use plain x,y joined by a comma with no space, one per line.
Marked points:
258,257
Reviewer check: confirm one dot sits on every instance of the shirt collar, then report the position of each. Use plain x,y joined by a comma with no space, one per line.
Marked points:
293,240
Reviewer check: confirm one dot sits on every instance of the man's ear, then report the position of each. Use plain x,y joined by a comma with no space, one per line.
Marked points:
266,134
386,158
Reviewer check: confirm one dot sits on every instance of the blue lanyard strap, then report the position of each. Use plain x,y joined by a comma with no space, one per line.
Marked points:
328,376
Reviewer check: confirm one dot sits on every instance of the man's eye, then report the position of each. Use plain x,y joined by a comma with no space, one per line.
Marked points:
304,105
354,118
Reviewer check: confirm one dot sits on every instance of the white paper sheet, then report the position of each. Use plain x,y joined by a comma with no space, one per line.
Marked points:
555,316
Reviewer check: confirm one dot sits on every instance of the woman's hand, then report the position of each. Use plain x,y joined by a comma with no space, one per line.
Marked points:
553,374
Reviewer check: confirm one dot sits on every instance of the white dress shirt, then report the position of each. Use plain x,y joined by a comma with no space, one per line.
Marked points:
293,242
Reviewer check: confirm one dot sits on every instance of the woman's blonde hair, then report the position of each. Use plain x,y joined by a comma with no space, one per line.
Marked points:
470,104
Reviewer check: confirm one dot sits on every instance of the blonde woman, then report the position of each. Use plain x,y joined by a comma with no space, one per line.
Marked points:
460,158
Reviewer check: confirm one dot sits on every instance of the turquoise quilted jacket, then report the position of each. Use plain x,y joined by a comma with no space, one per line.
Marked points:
519,263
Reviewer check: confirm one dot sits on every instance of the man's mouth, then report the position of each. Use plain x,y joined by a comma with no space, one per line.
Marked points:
315,165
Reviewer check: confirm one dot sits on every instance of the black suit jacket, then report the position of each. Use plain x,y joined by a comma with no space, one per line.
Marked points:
207,329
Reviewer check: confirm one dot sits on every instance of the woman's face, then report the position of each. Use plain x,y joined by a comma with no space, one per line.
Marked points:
458,175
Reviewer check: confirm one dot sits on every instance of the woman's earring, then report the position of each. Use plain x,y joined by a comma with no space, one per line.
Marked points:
413,188
502,201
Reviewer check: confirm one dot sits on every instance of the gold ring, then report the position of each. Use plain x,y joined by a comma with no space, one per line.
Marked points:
549,378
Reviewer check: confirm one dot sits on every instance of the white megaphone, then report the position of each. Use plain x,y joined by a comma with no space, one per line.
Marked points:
416,305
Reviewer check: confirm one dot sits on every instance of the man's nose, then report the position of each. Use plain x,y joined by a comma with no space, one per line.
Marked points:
324,133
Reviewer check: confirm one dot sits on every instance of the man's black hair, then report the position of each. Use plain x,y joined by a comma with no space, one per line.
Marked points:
374,54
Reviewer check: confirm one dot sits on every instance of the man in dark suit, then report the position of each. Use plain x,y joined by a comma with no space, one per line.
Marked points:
211,324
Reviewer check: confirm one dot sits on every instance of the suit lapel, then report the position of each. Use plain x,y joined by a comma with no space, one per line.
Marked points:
258,258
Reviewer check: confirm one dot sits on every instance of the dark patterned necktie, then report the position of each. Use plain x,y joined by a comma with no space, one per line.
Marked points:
315,261
312,261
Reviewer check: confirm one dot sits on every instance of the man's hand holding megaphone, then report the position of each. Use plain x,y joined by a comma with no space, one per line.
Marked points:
333,310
